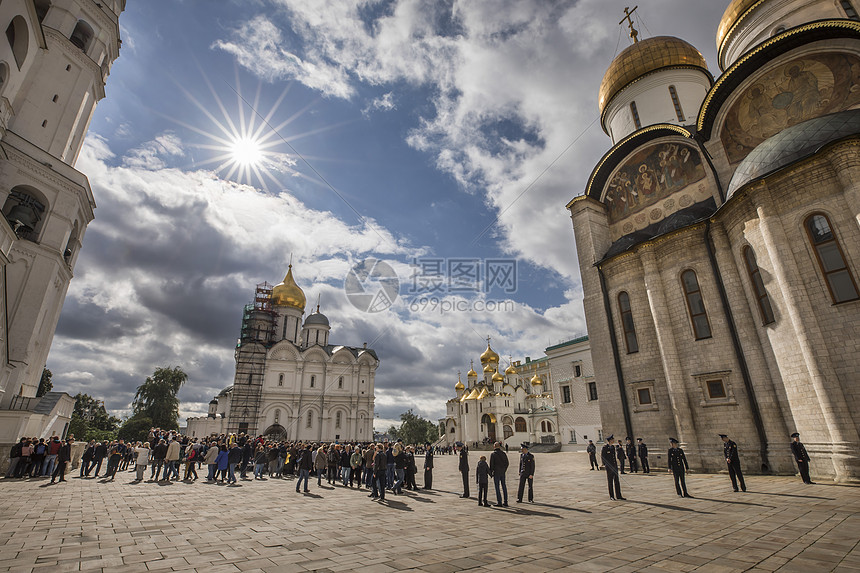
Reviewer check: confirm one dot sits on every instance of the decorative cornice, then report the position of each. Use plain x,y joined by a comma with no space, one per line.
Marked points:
32,167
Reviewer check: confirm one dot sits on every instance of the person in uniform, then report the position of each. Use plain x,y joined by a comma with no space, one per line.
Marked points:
643,455
679,467
631,455
607,456
619,452
428,466
527,473
464,468
592,455
733,461
801,457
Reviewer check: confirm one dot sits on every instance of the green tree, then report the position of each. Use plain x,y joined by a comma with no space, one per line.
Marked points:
91,421
156,398
414,429
136,428
45,384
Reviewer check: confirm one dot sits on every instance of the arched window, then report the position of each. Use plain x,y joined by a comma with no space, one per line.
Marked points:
695,305
82,35
340,382
310,421
25,211
520,425
635,112
337,419
673,93
280,379
19,39
277,416
71,245
627,323
548,426
507,431
831,259
313,380
42,7
543,426
758,286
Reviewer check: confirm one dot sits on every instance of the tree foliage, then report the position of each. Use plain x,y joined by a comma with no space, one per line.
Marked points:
156,398
91,421
136,428
45,384
414,429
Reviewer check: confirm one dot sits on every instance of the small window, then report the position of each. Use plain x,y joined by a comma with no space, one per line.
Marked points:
55,98
716,389
243,427
695,305
82,35
592,390
849,9
337,420
644,396
764,306
467,408
280,380
277,416
310,421
543,426
673,93
577,370
635,113
520,425
565,394
452,429
630,339
831,260
548,427
340,382
313,381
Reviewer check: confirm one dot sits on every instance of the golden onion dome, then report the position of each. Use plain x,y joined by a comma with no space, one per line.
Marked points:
511,370
644,57
733,14
471,373
288,293
489,356
536,381
498,377
489,368
459,385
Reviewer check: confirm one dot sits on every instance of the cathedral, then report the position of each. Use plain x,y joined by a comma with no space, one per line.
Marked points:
54,62
551,401
290,382
719,239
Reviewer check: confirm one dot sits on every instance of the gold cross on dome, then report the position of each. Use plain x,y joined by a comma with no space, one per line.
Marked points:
633,32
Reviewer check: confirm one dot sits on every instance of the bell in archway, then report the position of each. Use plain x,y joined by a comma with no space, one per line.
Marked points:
23,217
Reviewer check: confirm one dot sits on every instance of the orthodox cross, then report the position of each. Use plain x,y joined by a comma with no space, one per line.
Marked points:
633,32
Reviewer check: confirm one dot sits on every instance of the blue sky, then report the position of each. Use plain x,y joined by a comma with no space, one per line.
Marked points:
405,130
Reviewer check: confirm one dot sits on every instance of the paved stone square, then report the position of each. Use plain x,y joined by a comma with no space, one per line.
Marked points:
779,525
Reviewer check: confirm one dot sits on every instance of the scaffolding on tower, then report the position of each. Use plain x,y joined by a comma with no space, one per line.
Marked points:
255,338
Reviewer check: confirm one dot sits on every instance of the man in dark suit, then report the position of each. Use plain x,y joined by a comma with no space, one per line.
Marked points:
679,467
99,455
631,454
619,453
464,468
592,455
64,457
428,466
610,466
801,457
733,461
527,473
643,456
498,468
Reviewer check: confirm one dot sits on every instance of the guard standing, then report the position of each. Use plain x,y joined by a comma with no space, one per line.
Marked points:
607,456
679,467
428,466
464,468
619,451
631,455
801,457
733,461
527,473
643,456
592,455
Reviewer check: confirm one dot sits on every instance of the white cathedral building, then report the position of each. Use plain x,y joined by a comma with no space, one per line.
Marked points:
290,382
54,61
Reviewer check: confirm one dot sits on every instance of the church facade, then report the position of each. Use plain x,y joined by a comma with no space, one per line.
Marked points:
55,59
290,382
719,240
551,400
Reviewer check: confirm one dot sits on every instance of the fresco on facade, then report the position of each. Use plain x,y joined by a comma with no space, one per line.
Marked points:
806,87
642,191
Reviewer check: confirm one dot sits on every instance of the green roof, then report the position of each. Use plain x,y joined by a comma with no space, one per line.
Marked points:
568,343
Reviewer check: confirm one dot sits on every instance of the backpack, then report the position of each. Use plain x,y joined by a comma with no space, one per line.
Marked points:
40,449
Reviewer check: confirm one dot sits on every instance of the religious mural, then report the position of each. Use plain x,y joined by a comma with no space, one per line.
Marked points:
806,87
643,190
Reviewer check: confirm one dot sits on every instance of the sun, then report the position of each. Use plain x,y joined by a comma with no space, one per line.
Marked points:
246,151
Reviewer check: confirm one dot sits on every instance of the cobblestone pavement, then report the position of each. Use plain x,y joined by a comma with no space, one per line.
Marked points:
88,525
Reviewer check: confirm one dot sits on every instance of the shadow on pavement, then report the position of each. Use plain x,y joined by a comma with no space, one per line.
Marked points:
734,502
398,505
675,507
795,495
564,507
